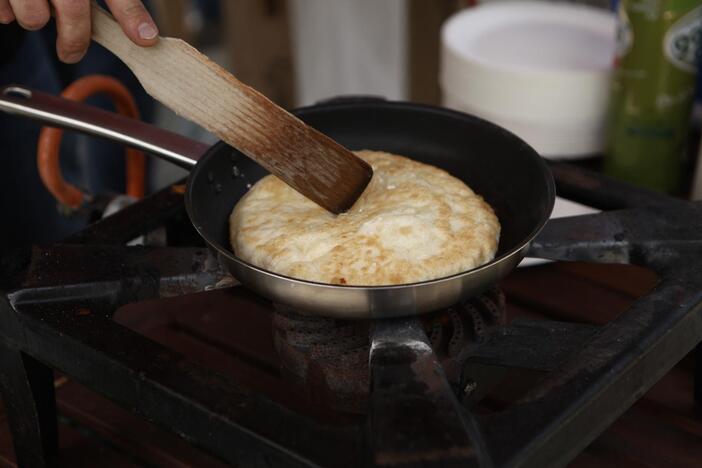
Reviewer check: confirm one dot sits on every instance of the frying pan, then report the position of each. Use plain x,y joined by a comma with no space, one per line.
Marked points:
496,164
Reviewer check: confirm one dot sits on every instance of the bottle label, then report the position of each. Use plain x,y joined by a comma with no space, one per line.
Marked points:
680,44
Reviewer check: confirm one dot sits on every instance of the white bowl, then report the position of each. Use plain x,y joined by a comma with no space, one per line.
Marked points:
539,69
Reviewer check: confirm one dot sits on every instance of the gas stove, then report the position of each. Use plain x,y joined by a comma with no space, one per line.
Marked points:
328,358
400,392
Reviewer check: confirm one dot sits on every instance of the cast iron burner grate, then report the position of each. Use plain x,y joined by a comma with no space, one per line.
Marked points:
328,358
58,301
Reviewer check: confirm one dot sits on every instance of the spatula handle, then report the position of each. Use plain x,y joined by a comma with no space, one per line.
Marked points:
198,89
190,84
183,79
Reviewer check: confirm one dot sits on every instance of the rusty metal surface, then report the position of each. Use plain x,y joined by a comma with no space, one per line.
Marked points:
595,385
29,385
531,344
662,239
212,412
415,418
328,358
136,219
116,275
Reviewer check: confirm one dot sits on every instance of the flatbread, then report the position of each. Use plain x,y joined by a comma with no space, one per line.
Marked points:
414,222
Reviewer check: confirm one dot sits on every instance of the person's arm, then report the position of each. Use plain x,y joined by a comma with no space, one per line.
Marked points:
73,22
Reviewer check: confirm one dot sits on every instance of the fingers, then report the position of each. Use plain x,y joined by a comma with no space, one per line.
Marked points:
73,25
73,22
136,22
6,15
31,14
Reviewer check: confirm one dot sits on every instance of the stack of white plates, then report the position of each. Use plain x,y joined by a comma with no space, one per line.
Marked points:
539,69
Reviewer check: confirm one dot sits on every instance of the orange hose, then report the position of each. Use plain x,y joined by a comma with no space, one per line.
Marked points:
50,141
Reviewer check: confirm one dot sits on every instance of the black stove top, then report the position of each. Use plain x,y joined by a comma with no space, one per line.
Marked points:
57,313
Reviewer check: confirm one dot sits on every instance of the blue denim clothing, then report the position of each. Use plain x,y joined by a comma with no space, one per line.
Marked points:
30,213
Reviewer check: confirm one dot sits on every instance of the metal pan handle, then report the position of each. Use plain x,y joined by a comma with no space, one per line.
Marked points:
59,112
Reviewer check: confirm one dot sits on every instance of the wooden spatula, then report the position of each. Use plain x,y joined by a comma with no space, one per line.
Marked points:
196,88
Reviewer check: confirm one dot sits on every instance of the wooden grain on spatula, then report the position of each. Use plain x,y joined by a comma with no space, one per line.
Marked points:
196,88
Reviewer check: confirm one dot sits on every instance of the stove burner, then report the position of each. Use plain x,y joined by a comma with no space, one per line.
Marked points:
328,358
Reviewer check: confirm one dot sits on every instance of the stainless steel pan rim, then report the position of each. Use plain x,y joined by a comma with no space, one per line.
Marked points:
366,302
351,302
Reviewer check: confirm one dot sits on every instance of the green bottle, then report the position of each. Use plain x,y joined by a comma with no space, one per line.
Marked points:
653,91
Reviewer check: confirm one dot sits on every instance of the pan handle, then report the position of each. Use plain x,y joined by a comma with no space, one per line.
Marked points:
59,112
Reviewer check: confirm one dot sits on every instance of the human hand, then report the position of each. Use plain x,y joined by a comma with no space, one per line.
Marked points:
73,22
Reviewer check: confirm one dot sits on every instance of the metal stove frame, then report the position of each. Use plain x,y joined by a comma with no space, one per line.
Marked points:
57,303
